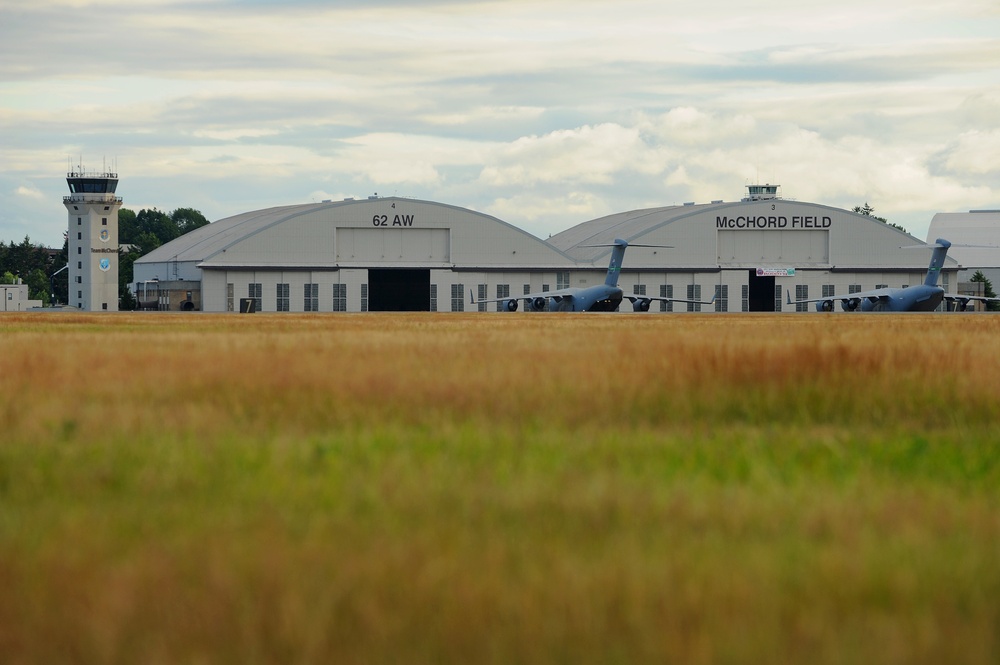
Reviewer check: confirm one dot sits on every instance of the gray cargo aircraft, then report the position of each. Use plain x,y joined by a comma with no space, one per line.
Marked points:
919,298
604,297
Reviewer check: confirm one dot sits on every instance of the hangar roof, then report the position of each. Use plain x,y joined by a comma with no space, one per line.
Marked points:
628,226
688,237
390,231
207,240
753,232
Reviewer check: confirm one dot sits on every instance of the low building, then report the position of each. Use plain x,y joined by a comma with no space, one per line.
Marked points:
15,298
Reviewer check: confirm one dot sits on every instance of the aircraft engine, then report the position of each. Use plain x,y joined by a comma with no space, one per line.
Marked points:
641,305
824,306
512,305
538,304
962,305
851,304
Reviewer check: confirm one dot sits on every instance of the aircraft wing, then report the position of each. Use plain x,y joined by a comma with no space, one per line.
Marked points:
963,301
873,296
632,298
558,295
957,296
641,303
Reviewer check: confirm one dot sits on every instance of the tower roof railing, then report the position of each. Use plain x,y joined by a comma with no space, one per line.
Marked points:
80,198
91,174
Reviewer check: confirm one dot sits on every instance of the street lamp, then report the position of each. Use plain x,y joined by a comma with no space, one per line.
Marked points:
52,283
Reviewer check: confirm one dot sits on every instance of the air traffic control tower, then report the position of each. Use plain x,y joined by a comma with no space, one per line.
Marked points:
93,240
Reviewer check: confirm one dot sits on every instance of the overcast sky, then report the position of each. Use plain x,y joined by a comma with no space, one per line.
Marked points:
544,113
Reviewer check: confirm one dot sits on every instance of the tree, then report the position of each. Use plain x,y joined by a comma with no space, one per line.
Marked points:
157,223
60,282
161,226
128,228
869,211
23,258
147,242
126,269
187,220
126,301
991,306
38,286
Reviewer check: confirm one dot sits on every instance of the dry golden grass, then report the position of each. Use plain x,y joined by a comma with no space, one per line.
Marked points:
500,488
216,373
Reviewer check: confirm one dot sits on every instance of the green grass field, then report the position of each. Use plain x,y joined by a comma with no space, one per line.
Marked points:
490,488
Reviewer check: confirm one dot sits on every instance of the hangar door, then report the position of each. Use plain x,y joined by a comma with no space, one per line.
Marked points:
393,245
399,290
785,247
761,295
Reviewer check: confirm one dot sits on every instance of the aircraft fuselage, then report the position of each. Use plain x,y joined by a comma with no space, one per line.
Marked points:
609,303
600,298
920,298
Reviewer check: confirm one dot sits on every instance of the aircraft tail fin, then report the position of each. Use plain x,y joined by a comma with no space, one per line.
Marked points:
937,261
618,257
615,267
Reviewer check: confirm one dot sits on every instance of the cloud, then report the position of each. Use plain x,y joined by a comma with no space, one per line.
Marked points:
549,215
589,154
29,193
690,126
544,112
976,152
233,133
392,159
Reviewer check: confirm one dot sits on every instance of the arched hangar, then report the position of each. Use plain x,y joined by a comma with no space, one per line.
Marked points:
752,255
403,254
375,254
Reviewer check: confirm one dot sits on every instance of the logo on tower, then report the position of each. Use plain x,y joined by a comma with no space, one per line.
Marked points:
104,235
105,264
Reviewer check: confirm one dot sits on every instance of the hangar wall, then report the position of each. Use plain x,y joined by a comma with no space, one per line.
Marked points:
352,290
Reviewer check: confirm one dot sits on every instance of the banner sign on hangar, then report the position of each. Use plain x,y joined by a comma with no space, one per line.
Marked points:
776,272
